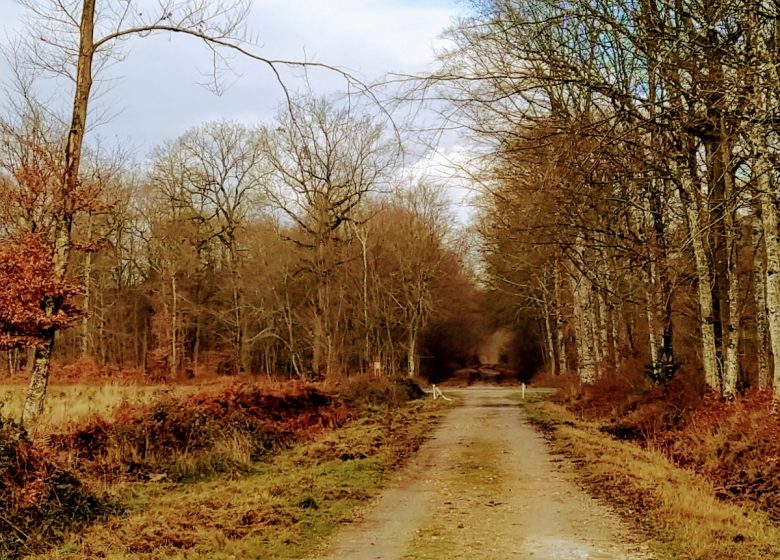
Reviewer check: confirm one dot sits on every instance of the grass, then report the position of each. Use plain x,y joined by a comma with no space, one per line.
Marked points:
283,508
676,506
71,404
476,477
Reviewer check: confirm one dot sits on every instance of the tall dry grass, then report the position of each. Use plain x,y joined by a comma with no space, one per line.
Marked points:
70,404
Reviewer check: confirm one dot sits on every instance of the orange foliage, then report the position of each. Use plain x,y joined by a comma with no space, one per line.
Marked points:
27,282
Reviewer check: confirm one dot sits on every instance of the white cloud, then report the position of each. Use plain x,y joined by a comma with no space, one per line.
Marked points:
155,93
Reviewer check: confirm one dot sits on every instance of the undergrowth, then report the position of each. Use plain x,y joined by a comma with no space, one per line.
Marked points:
47,487
281,508
732,445
200,435
39,501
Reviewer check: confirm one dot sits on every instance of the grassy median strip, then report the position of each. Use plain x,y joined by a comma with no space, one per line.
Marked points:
459,527
676,507
283,508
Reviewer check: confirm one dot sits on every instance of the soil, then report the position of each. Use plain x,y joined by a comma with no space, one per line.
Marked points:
485,486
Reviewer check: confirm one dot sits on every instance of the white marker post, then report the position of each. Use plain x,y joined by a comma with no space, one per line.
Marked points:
522,391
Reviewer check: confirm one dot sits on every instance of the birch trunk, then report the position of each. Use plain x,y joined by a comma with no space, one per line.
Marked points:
587,361
759,297
704,283
731,365
769,217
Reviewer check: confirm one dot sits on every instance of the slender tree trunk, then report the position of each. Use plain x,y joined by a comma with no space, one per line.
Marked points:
560,344
731,365
548,335
85,338
703,285
39,378
411,357
759,297
174,361
602,328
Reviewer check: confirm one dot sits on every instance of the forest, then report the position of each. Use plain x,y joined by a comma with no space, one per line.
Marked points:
631,179
271,295
625,165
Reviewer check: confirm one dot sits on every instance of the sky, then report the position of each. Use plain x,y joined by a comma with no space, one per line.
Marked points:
156,93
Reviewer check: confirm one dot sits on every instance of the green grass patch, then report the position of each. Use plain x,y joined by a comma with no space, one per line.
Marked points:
283,508
675,506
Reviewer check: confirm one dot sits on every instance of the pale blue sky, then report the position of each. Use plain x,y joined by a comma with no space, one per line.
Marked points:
156,95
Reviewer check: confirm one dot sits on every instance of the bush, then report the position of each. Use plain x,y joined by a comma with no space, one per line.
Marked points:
202,434
365,390
736,445
39,501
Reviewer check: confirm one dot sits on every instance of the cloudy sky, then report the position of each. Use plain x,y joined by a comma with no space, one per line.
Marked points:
156,93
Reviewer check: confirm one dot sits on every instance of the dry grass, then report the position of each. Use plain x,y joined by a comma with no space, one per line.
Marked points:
674,505
71,404
280,509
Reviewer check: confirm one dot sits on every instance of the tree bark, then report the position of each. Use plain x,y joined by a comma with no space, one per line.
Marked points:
704,283
548,335
39,378
759,298
769,217
586,363
39,381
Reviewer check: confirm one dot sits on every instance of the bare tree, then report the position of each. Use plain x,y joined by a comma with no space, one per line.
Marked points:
75,39
326,159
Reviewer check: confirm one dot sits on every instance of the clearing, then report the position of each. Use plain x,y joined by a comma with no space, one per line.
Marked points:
486,486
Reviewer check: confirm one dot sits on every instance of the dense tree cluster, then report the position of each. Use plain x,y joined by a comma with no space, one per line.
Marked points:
288,248
236,249
631,197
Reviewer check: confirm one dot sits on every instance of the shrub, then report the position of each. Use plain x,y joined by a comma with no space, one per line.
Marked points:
736,445
201,434
39,501
367,390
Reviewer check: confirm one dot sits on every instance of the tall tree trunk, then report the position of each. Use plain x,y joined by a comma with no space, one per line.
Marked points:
39,378
85,335
581,289
704,286
548,335
603,328
560,343
769,218
173,363
759,298
411,351
731,362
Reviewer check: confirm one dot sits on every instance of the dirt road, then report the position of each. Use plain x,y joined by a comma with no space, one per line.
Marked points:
486,487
